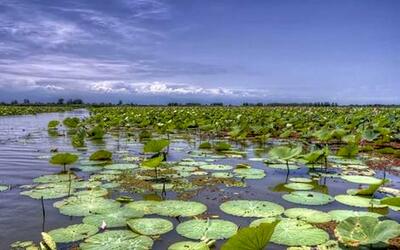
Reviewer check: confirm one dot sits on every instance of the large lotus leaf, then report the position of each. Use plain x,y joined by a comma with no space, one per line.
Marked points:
48,191
251,238
249,173
155,146
308,215
176,208
53,178
299,186
222,175
3,188
283,166
192,163
213,229
292,232
94,192
73,233
147,207
121,166
358,201
340,215
345,161
284,153
117,240
392,202
365,230
329,245
308,198
215,167
300,179
63,159
360,179
153,162
189,245
81,207
101,155
150,226
113,218
251,208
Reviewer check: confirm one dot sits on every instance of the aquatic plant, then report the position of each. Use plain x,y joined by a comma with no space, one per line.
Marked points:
101,155
285,153
63,159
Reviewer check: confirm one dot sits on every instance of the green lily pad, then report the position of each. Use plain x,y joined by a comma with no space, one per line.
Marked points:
48,191
341,215
308,215
189,245
249,173
299,186
73,233
216,167
117,240
222,175
113,218
329,245
176,208
283,166
300,179
308,198
213,229
150,226
360,179
251,208
4,188
95,192
88,206
52,178
358,201
365,230
292,232
147,207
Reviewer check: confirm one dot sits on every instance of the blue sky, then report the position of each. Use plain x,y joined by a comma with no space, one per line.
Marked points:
154,51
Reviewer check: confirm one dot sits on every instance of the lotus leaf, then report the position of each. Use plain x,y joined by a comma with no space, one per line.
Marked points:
176,208
150,226
292,232
308,215
365,230
222,175
63,159
251,208
52,178
308,198
215,167
213,229
113,217
283,166
299,186
101,155
392,202
81,207
340,215
3,188
121,166
49,241
358,201
257,222
329,245
361,179
189,245
147,207
117,240
300,179
73,233
250,173
48,191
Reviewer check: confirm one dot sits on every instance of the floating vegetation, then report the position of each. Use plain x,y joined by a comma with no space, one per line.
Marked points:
213,229
308,198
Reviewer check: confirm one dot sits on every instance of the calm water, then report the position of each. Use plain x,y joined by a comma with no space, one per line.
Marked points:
25,144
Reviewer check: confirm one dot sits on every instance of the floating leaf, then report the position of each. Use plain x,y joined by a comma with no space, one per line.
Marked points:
308,198
88,206
340,215
249,173
117,240
361,179
365,230
4,188
251,208
113,217
215,167
150,226
358,201
209,229
251,238
299,186
176,208
189,245
308,215
73,233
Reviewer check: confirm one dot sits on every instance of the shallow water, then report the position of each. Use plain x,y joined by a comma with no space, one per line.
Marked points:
24,144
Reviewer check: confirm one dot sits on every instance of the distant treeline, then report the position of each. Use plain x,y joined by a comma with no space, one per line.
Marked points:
80,102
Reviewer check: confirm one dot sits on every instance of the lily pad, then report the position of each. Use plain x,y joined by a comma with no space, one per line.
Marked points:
308,215
189,245
52,178
216,167
292,232
300,179
48,191
88,206
73,233
365,230
257,222
222,175
251,208
3,188
358,201
147,207
341,215
283,166
213,229
150,226
176,208
299,186
113,218
117,240
121,166
360,179
249,173
308,198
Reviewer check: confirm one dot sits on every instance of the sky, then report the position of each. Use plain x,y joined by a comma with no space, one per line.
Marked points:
231,51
